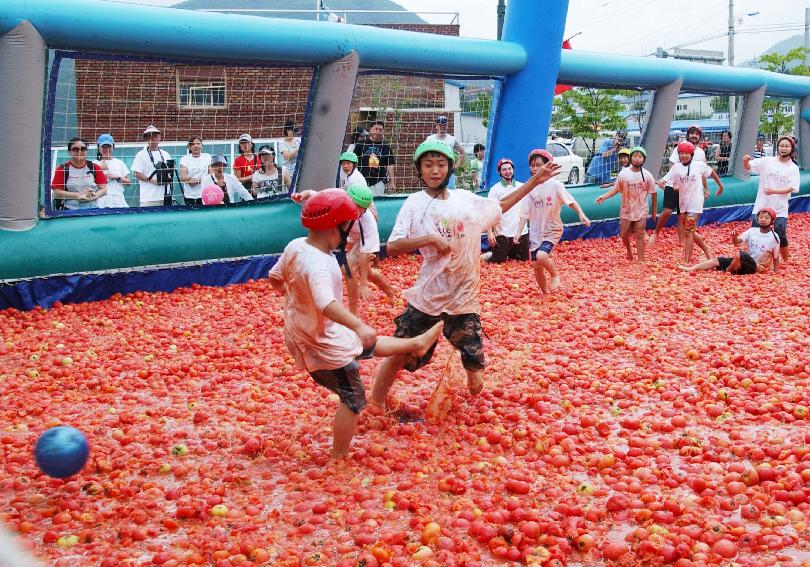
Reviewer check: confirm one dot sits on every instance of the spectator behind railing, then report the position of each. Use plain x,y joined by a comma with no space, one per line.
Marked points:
78,183
233,190
151,166
268,180
193,169
477,166
116,172
376,160
289,147
724,153
247,162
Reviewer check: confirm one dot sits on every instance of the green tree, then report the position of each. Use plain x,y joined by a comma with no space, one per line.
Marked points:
586,112
719,104
774,120
479,104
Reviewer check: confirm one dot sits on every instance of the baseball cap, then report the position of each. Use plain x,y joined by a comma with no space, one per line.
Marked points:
106,140
441,120
266,150
219,159
246,138
151,129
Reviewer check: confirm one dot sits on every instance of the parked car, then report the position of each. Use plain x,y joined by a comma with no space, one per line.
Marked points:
572,170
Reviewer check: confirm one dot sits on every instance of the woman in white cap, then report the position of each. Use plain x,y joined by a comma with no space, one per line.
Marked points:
193,168
233,191
247,162
145,166
117,174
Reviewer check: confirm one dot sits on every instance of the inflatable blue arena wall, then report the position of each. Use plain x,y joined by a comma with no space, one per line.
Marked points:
165,249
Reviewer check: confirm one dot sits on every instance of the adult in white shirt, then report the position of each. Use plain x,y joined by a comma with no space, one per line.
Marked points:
193,169
232,189
778,179
117,174
501,238
155,190
450,141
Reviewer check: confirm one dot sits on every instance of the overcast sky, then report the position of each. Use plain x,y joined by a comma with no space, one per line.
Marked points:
643,24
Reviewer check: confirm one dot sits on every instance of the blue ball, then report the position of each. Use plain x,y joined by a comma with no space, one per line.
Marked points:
61,451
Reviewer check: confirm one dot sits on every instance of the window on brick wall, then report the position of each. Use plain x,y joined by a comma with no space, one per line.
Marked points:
201,87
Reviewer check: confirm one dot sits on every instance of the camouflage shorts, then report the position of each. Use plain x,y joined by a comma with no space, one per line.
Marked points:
463,331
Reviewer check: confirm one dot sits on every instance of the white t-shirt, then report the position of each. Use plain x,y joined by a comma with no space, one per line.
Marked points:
542,209
370,241
232,185
197,169
447,283
700,155
763,246
150,191
355,178
267,185
446,139
285,146
775,174
687,180
510,220
313,280
115,190
636,186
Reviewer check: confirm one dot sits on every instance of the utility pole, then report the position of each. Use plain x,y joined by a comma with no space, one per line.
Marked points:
807,37
501,14
732,100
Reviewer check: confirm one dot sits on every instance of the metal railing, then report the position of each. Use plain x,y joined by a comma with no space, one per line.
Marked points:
323,15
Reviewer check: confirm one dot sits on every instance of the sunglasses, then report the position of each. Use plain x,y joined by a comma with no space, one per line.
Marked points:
78,149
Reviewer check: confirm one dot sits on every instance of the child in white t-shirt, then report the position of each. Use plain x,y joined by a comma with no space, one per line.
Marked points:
349,174
778,179
445,226
688,179
763,250
635,185
117,175
542,209
323,336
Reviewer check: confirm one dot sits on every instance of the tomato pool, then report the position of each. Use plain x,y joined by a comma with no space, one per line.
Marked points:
638,416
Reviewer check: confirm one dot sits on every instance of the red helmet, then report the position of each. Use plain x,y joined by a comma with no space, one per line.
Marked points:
686,148
694,127
328,209
770,211
542,153
503,161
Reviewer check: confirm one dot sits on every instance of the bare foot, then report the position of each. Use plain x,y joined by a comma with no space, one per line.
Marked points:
374,409
475,383
684,268
651,239
426,339
555,282
629,255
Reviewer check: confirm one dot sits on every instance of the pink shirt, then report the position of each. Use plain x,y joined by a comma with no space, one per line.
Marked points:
635,186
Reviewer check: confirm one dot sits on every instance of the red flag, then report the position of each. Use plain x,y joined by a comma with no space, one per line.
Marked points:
560,89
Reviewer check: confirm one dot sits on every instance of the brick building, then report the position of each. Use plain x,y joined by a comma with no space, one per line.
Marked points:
222,102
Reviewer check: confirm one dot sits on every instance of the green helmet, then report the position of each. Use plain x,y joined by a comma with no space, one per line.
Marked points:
360,194
349,156
434,146
640,150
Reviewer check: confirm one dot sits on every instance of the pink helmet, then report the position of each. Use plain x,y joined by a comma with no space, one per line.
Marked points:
542,153
686,148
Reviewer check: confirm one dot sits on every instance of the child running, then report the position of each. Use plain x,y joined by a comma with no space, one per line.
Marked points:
634,183
323,336
687,179
778,178
445,226
542,209
763,250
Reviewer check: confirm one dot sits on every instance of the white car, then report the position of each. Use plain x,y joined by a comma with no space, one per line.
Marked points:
572,170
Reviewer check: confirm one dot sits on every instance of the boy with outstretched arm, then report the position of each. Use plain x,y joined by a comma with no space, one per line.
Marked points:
634,184
542,209
323,336
445,226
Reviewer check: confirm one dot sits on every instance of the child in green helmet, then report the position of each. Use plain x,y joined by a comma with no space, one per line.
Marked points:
446,227
634,184
349,174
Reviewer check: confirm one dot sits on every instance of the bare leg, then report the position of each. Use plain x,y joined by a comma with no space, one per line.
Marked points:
475,381
547,263
709,264
352,291
376,277
540,276
681,230
386,376
785,254
701,242
688,245
419,345
625,236
345,424
641,241
662,220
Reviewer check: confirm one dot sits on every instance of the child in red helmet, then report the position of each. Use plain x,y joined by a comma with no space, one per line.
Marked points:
763,250
778,179
323,336
635,184
504,240
541,208
688,179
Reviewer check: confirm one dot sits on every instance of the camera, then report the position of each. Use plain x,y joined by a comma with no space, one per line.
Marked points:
164,172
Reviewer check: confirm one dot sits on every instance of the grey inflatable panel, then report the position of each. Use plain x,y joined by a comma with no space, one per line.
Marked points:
327,126
22,92
746,131
803,129
656,130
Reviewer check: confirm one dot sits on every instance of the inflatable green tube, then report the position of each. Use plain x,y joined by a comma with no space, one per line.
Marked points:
112,242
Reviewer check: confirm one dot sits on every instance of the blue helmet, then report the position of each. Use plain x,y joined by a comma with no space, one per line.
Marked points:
106,139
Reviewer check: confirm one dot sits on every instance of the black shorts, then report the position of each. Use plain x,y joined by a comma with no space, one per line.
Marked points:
346,383
506,249
670,199
748,265
462,331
